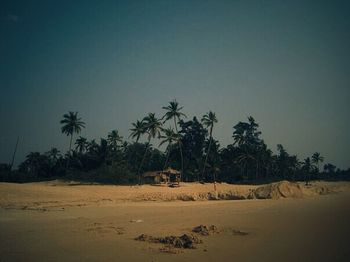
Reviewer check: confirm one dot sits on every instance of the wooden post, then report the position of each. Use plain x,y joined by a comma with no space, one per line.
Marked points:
14,154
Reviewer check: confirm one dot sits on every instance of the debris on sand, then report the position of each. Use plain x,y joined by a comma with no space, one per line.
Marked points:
239,233
204,230
170,250
184,241
144,237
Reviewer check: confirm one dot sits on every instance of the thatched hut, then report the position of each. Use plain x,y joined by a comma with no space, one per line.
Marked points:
172,174
166,176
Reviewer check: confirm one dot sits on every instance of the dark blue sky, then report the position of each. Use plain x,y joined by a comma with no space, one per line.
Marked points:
286,63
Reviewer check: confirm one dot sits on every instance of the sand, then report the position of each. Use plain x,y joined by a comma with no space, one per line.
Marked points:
58,221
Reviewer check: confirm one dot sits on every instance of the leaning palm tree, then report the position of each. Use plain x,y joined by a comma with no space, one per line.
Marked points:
173,112
153,127
138,130
169,136
71,124
317,159
208,120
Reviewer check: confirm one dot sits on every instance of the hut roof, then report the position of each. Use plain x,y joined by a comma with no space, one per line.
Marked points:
172,171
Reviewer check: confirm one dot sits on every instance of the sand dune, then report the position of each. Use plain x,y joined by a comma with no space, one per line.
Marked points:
59,221
58,195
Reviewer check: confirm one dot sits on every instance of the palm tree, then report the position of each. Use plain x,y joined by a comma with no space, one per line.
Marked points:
168,137
329,168
317,159
113,139
152,126
53,154
243,159
71,124
307,168
81,144
208,120
138,130
173,112
32,162
247,133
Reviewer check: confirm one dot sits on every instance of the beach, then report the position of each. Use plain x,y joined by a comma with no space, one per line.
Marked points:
60,221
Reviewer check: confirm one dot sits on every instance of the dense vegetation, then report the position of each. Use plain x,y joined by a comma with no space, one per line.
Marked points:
190,147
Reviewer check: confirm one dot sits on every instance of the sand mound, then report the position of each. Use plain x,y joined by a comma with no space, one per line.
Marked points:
57,196
204,230
184,241
283,189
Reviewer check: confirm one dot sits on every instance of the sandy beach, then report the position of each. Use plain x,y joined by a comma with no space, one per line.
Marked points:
60,221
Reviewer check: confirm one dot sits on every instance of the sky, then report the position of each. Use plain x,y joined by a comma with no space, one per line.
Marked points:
286,63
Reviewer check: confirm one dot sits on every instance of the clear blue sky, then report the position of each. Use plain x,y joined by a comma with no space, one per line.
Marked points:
286,63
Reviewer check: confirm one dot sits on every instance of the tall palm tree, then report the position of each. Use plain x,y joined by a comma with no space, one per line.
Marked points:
153,127
173,112
209,120
81,144
169,136
138,130
317,159
71,124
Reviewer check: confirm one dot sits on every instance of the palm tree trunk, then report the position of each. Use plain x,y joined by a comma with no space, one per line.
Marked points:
167,157
143,159
70,143
214,181
180,146
69,152
206,157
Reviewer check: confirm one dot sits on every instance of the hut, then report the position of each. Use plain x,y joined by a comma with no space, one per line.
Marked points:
155,177
172,174
166,176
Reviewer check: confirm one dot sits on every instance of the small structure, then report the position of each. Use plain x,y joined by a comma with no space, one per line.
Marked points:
166,176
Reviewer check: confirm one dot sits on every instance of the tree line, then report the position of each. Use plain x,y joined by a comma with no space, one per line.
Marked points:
190,148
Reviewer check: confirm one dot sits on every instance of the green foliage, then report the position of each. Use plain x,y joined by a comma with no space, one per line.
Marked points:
190,148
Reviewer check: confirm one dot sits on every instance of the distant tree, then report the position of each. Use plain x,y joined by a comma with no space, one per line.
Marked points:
243,160
81,144
317,159
54,155
173,112
71,124
246,133
138,130
282,161
193,136
153,127
114,139
169,137
329,168
307,169
247,138
36,164
209,120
